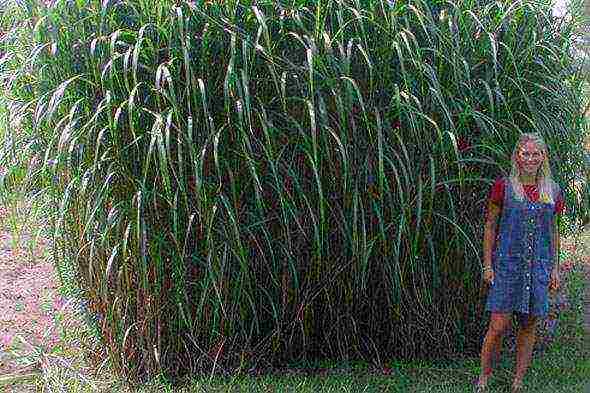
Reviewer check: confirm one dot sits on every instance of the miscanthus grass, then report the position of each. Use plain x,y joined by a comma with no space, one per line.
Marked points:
243,185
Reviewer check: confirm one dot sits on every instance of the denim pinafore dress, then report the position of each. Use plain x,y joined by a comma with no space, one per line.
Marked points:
522,257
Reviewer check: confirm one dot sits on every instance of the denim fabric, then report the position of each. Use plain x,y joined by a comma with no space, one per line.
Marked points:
522,257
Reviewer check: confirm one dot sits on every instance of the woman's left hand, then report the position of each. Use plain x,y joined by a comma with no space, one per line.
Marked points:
554,283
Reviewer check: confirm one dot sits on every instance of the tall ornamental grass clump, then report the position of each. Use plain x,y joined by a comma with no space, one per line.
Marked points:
242,184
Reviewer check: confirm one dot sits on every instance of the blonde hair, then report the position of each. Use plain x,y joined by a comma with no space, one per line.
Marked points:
544,179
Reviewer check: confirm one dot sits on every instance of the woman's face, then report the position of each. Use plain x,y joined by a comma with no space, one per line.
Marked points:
529,158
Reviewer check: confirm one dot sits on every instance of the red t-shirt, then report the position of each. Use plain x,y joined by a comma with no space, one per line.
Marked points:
497,195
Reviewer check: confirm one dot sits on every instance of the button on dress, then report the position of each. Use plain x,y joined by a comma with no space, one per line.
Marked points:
522,256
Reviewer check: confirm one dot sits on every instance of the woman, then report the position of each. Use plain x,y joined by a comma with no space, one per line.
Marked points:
521,249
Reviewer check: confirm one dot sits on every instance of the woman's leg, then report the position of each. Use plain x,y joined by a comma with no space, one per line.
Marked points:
587,304
524,348
499,322
497,352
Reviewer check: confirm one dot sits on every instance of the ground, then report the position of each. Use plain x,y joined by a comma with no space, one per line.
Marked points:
34,319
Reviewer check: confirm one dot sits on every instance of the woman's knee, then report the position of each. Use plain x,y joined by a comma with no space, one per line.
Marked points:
499,324
529,325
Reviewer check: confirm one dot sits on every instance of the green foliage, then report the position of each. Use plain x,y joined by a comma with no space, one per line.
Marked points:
243,184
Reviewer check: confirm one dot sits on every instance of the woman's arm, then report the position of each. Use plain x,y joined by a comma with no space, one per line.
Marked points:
559,207
489,237
556,244
554,277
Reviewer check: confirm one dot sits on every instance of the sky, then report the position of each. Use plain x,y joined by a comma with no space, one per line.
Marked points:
559,7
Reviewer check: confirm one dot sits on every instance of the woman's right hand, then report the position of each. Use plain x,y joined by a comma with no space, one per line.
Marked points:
488,276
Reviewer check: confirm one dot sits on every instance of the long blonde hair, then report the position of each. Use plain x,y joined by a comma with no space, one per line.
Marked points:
544,179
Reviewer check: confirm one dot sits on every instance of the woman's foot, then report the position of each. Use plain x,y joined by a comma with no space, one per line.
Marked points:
480,385
516,387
